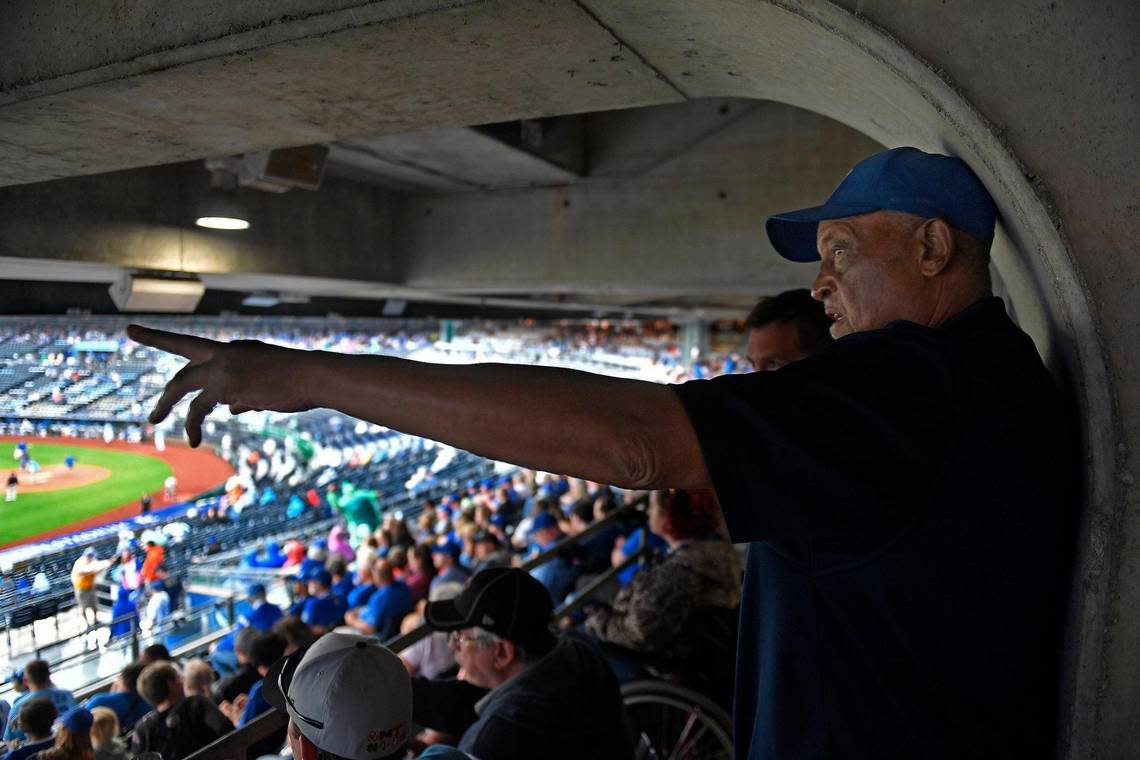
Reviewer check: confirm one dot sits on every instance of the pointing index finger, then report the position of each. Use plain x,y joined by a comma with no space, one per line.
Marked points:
192,347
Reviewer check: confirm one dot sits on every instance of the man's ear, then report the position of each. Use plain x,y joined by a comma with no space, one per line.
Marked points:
505,653
936,242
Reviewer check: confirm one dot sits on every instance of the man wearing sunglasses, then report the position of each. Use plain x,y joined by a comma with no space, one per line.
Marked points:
521,692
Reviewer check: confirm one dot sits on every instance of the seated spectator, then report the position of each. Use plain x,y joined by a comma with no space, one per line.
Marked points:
624,548
431,656
299,592
19,687
364,587
267,649
339,545
346,697
557,699
342,584
242,680
37,675
654,614
179,725
558,573
366,554
445,557
421,570
594,551
297,634
323,610
315,558
105,730
387,606
72,737
198,677
34,722
155,653
489,552
263,614
123,698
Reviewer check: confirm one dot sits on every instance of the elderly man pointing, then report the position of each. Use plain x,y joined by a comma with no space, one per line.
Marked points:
911,484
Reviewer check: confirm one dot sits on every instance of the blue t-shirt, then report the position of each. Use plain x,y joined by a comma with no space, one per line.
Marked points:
442,752
129,707
265,616
325,611
26,751
255,705
909,497
344,586
387,608
360,595
631,546
557,574
61,698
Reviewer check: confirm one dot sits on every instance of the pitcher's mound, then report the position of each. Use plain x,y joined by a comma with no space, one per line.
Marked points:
54,477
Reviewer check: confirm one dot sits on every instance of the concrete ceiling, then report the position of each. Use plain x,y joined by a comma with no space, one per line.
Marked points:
653,211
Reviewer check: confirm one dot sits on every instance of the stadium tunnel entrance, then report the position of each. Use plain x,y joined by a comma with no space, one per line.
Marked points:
883,72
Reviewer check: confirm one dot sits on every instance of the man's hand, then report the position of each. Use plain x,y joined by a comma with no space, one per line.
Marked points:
245,375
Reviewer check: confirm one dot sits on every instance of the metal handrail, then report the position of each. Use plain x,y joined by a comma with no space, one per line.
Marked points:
134,645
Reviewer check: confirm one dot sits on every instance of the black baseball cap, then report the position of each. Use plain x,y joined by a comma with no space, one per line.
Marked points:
506,601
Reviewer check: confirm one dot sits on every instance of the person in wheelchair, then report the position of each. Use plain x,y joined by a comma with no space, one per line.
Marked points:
679,614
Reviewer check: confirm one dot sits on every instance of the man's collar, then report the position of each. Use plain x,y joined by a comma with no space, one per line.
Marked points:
986,308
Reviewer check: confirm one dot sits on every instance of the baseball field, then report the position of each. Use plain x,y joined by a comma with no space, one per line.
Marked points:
106,483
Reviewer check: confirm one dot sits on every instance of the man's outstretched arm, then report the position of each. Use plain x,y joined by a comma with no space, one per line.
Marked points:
623,432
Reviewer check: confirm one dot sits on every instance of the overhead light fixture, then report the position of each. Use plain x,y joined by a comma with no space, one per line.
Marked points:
169,292
222,223
266,299
220,210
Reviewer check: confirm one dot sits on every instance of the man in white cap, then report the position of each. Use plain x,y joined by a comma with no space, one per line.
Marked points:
347,698
83,574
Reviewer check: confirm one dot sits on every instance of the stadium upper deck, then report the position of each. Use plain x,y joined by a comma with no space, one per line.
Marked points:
86,370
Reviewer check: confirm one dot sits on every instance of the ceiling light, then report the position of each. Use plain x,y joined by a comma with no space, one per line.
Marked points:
222,223
220,210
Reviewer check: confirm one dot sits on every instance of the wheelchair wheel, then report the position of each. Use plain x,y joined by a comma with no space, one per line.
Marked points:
672,722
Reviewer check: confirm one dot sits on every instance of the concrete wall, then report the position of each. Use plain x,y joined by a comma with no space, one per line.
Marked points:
145,219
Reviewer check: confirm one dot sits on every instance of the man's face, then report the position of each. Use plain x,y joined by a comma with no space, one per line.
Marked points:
868,271
475,657
773,345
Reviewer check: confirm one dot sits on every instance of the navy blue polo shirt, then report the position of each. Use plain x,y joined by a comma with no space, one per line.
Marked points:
909,497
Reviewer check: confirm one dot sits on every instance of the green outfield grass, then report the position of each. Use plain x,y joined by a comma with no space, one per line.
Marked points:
32,513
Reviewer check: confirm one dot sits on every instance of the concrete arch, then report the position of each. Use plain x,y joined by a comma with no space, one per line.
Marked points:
1039,97
822,58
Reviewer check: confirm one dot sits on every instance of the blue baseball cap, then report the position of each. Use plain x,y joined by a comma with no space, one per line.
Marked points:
17,675
77,720
256,589
323,577
447,547
543,520
902,179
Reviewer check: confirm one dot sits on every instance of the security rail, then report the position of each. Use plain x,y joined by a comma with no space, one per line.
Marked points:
234,745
